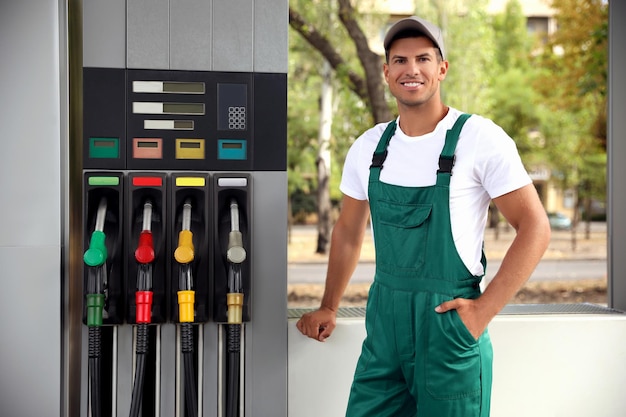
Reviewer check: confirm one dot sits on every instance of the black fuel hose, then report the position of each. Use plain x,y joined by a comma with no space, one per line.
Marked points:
191,397
141,351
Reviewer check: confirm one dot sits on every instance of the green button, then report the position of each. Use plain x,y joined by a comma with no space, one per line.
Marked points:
104,181
108,148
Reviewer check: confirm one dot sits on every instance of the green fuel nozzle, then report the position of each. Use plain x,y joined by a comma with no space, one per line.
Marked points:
95,258
96,254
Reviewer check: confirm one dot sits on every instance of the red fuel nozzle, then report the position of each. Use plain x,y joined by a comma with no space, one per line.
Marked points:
143,302
144,254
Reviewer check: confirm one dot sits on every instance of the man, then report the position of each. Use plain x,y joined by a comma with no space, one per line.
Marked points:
427,179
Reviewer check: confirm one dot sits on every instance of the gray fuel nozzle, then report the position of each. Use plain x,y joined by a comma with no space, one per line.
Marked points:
236,253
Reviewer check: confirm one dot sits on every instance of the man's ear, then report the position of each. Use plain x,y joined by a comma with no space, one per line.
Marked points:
443,70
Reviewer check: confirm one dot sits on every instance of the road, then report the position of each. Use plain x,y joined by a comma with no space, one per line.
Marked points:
547,270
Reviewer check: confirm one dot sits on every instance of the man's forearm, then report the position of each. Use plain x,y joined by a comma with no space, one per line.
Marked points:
518,264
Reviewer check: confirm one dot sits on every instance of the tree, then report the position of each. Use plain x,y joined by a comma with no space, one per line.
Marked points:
320,38
324,221
369,87
576,56
301,120
515,106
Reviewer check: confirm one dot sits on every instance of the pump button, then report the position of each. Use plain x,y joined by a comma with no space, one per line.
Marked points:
106,148
233,149
99,181
189,148
148,148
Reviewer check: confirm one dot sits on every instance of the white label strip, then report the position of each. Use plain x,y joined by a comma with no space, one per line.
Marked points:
143,107
158,124
147,86
168,124
232,182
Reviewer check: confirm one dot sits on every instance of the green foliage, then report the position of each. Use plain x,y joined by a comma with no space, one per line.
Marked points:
575,124
351,114
469,40
301,117
515,104
578,50
511,38
515,109
551,98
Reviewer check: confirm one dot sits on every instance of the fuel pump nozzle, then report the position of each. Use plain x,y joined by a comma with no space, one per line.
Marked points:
184,255
95,258
144,255
235,255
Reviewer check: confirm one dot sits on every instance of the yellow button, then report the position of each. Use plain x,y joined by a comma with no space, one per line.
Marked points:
189,148
190,181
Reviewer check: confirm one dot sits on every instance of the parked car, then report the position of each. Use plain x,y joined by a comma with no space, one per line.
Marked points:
559,221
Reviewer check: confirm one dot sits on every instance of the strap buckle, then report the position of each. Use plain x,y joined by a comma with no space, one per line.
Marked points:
378,159
446,163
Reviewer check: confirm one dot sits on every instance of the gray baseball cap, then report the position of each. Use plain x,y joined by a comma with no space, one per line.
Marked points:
415,23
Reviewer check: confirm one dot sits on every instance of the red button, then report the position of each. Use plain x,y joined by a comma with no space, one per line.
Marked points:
148,181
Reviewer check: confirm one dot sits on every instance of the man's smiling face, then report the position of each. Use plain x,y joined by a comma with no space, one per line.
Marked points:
414,70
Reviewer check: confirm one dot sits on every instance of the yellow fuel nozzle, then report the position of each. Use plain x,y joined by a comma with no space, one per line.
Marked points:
184,253
186,301
234,301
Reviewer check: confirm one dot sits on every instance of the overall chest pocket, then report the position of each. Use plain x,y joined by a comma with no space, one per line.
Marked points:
401,234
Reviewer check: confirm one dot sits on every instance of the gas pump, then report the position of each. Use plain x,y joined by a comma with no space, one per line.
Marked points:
184,141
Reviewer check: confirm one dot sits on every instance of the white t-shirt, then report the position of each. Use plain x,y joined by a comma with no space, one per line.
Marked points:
487,166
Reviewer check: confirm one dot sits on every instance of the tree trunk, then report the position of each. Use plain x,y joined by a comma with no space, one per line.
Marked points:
371,62
323,162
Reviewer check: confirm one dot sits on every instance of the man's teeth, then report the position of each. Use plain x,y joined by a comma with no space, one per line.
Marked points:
411,84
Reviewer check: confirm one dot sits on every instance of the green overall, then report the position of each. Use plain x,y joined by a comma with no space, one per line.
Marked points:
415,361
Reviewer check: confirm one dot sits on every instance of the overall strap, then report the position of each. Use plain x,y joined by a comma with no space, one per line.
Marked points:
446,159
380,154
